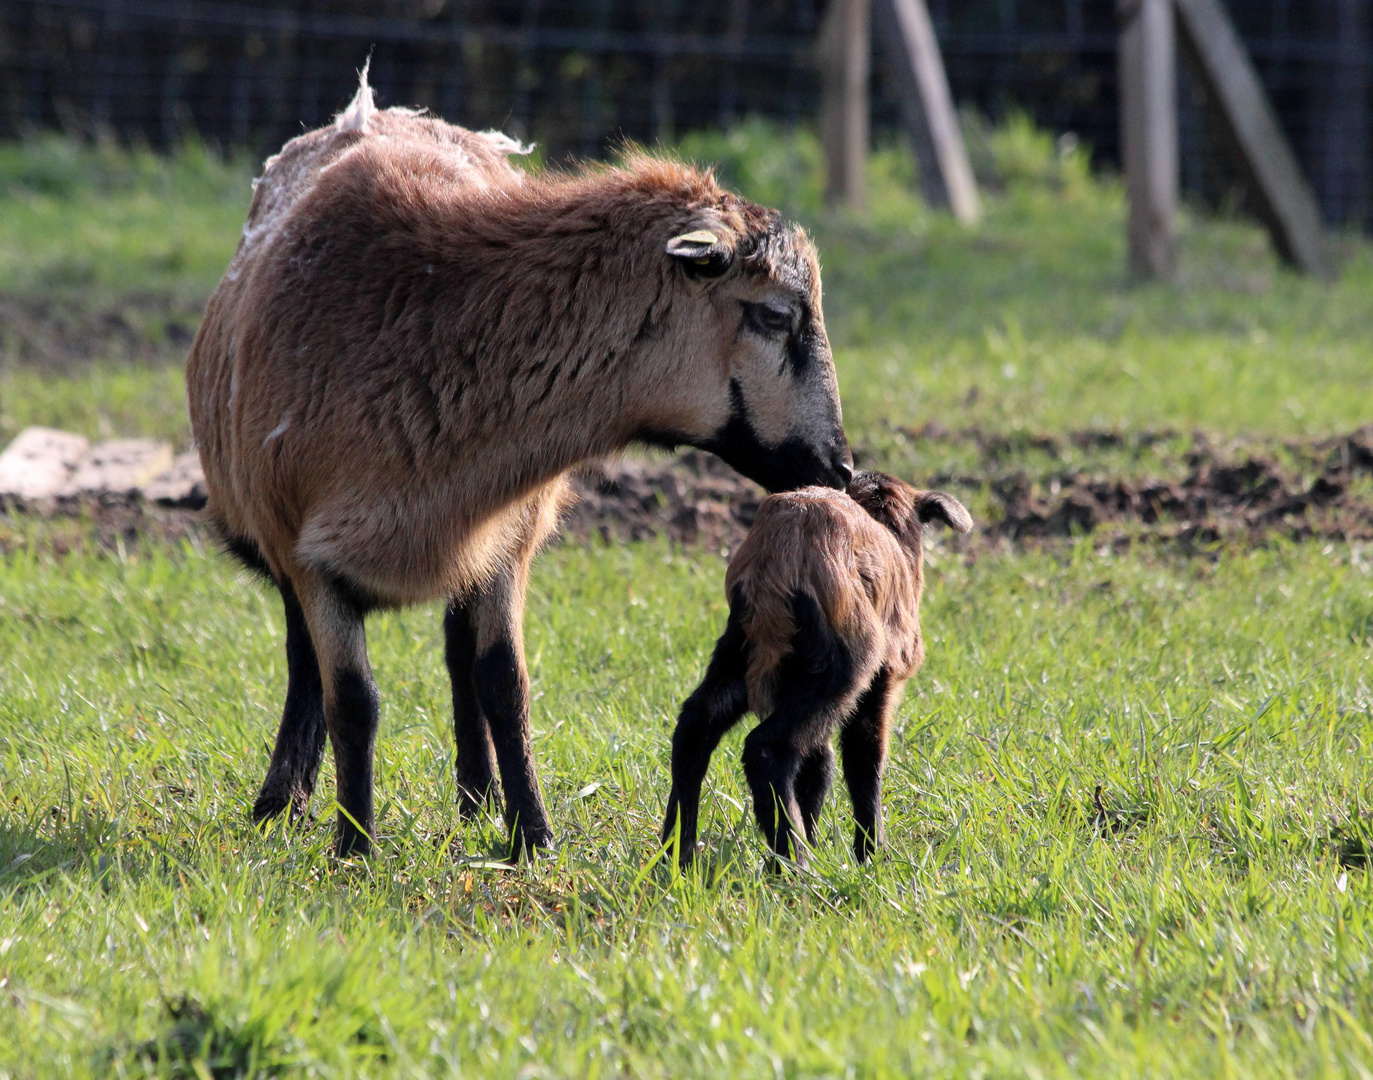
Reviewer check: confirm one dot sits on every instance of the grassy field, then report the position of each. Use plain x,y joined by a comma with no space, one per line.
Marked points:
1128,801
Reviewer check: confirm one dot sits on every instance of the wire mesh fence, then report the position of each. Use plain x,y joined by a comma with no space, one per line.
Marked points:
579,75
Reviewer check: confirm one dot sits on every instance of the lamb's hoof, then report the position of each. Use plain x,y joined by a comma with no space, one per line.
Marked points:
686,856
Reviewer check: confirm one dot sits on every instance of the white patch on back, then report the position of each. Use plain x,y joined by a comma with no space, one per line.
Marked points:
361,108
504,144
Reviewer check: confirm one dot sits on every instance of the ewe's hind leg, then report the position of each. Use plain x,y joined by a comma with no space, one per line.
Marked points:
864,745
300,739
476,756
713,708
813,783
502,686
816,686
351,708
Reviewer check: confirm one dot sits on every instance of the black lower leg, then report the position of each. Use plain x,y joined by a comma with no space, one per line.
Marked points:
770,766
815,686
713,708
300,738
813,784
863,743
475,756
353,718
502,686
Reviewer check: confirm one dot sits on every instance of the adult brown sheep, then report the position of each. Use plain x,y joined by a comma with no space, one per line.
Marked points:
413,346
823,632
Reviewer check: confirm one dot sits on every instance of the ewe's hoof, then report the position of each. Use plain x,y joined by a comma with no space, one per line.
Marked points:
472,806
269,807
353,845
532,843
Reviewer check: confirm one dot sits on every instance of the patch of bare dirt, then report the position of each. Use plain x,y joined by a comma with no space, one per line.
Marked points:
693,498
1198,494
60,334
1249,492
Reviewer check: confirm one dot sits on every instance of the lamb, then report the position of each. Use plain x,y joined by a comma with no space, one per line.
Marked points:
823,632
412,347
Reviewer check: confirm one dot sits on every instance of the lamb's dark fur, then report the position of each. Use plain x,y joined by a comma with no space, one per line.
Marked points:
823,632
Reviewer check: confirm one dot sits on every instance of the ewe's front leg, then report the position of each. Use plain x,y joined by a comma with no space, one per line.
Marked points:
300,738
476,756
351,708
502,690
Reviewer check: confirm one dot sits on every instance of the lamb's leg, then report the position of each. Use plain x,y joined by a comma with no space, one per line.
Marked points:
476,756
863,743
816,686
712,709
813,784
300,739
502,688
351,708
772,760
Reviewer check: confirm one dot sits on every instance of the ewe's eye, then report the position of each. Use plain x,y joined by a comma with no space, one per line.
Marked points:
767,320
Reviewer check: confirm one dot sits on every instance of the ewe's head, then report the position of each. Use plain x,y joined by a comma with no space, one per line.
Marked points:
904,509
748,337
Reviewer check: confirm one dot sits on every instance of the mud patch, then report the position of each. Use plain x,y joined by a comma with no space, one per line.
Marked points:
693,499
1147,487
60,334
1205,493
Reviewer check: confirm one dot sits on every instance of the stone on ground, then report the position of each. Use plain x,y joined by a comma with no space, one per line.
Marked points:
119,467
38,463
182,487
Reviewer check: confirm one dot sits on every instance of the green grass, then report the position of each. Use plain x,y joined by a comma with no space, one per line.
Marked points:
1191,919
1128,800
101,222
99,400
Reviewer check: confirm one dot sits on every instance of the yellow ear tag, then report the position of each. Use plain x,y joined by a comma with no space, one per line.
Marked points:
700,236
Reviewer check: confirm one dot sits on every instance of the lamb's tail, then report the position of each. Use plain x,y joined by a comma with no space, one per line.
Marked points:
361,108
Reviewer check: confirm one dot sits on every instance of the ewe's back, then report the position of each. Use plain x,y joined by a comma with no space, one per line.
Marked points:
270,361
470,158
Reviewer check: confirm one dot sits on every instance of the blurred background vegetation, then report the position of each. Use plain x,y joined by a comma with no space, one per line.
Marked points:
1025,322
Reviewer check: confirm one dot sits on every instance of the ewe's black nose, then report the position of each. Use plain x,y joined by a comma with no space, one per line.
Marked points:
842,467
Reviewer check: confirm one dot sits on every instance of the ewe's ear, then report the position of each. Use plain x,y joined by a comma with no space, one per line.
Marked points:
701,253
939,506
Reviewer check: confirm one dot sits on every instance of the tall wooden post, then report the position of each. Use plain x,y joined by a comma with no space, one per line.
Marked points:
1149,132
845,66
946,178
1283,199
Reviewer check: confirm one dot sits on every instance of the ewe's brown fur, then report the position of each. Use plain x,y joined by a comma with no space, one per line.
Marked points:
824,631
413,345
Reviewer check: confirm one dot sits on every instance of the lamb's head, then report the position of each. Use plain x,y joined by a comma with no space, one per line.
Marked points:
748,338
906,510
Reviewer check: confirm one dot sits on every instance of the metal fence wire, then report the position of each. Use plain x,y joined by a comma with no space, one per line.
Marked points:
579,75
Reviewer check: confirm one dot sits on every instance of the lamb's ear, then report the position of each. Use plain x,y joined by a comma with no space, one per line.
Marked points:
701,253
940,506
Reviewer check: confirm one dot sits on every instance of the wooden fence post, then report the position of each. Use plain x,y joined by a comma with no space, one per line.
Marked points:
946,178
1284,201
1149,133
845,46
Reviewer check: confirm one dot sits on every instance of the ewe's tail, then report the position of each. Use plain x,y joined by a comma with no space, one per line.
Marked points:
361,108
